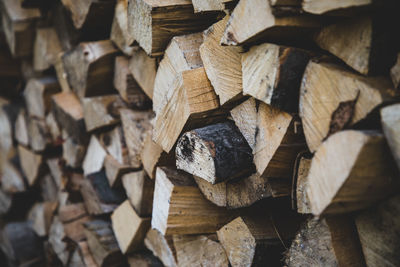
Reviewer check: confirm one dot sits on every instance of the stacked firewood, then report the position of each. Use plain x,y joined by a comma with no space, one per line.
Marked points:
199,133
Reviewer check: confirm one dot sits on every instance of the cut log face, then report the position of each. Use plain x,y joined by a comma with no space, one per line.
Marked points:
115,144
73,153
31,164
41,216
350,171
192,103
216,153
96,111
89,68
21,128
319,7
332,98
222,64
181,54
213,5
378,232
262,23
46,48
161,246
39,136
193,250
115,170
120,35
94,158
149,22
303,167
272,74
143,69
390,117
12,180
129,228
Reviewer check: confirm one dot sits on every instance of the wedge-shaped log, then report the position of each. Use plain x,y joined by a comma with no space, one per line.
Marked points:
192,104
115,170
39,136
94,158
265,22
120,35
96,111
129,228
31,164
216,153
46,48
213,5
162,247
41,216
154,23
370,54
272,74
89,68
140,189
390,117
143,69
21,128
350,171
332,98
324,6
222,64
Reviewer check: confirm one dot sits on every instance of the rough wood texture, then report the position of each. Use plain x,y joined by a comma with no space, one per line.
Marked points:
351,170
199,250
120,35
370,54
73,153
143,69
378,229
222,64
41,216
302,168
89,68
263,23
162,247
213,5
390,117
31,164
180,208
324,6
216,153
327,242
154,23
129,228
96,111
181,54
115,170
192,104
272,74
139,190
46,48
326,97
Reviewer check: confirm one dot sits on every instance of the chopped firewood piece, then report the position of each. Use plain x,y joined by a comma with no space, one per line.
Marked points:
120,35
96,111
213,5
323,6
115,170
21,128
94,158
39,136
390,117
73,153
162,247
31,164
46,48
41,216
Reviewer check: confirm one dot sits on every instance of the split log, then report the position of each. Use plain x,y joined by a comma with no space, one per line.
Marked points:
115,170
222,64
350,171
41,216
73,153
139,188
378,229
151,25
129,228
115,144
390,117
73,216
96,111
89,68
332,241
53,128
199,250
272,74
143,69
39,136
46,48
56,168
8,115
265,22
144,259
218,5
61,73
181,54
49,190
325,6
120,35
31,164
332,99
68,112
18,25
135,125
102,243
21,128
300,182
95,156
12,180
56,240
38,93
21,245
98,196
192,104
127,87
87,256
162,247
370,54
180,208
395,73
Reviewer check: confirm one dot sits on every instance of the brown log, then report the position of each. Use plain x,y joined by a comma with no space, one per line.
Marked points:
120,35
162,247
12,179
54,129
390,118
87,256
61,73
46,48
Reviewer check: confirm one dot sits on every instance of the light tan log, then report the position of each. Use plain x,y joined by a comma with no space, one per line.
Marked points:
350,171
331,241
199,250
46,48
21,128
87,256
139,189
115,170
162,247
327,97
41,216
180,208
129,228
94,158
395,73
222,64
12,180
213,5
135,125
378,232
323,6
89,68
39,136
73,216
302,166
262,23
120,35
115,144
61,73
192,104
149,22
30,163
96,111
181,54
73,153
390,117
272,74
143,69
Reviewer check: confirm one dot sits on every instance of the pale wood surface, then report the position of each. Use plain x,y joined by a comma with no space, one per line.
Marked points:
390,117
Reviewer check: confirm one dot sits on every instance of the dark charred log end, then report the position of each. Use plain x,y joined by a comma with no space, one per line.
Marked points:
186,147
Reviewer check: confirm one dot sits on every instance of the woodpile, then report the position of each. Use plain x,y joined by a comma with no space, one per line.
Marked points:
199,133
